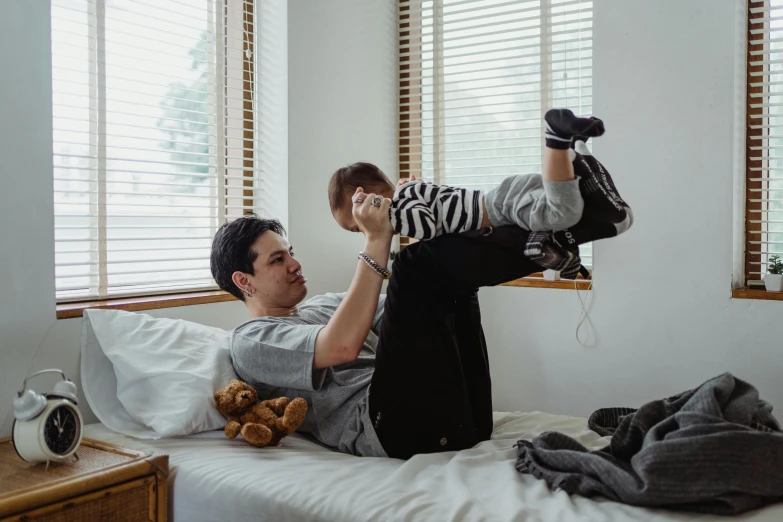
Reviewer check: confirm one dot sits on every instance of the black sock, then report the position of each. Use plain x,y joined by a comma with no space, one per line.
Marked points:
562,125
542,249
605,213
577,139
603,202
588,229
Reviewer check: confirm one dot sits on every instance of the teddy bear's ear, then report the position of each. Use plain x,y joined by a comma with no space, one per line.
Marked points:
220,397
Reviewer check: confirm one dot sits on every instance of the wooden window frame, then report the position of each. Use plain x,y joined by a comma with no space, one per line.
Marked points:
410,146
69,310
135,304
753,159
409,136
248,109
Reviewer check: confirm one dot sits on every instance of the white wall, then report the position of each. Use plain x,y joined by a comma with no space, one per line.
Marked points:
665,320
30,336
342,109
662,307
272,81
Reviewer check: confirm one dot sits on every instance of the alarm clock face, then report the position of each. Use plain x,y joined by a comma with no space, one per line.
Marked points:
61,430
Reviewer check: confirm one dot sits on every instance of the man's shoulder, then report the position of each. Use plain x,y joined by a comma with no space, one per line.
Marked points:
256,324
267,328
318,302
329,297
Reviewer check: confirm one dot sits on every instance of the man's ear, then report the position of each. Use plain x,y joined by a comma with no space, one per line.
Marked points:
240,280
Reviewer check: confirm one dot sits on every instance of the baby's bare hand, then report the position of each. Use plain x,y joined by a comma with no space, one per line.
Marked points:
403,181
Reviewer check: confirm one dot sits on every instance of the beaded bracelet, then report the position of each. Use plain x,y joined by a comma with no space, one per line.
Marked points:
375,266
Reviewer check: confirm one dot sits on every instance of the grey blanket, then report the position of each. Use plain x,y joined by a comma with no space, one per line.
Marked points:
714,449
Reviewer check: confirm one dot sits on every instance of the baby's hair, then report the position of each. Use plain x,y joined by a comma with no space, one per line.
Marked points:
346,180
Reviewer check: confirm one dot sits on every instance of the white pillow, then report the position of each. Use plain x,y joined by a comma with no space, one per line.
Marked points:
150,378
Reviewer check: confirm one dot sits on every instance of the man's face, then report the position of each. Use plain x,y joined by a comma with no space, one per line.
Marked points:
277,280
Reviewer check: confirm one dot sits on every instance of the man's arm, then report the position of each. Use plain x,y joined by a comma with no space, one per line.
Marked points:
341,340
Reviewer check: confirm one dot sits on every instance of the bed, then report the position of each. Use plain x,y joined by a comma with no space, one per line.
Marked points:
150,383
217,479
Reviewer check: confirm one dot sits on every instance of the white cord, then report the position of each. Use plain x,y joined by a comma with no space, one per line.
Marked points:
248,54
584,318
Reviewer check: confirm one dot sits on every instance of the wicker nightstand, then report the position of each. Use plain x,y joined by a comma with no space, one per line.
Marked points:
106,483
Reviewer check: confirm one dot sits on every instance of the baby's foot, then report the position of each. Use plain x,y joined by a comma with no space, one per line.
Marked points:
562,126
544,250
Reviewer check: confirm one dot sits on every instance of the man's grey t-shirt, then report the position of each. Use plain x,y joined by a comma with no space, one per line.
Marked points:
275,356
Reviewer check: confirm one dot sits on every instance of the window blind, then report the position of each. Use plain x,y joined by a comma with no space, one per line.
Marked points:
154,114
764,164
477,76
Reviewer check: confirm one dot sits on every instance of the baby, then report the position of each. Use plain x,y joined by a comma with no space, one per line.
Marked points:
574,201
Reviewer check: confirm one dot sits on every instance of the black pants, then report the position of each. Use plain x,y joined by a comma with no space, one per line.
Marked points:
431,389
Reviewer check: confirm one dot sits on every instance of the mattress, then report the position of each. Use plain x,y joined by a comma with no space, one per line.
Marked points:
217,479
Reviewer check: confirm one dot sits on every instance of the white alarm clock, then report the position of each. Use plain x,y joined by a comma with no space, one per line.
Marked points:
47,427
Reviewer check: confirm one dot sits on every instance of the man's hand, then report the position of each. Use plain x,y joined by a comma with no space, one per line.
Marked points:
372,220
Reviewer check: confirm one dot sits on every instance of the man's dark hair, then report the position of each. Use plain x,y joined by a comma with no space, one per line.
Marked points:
346,180
231,250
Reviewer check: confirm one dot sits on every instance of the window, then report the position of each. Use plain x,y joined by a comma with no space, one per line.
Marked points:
764,138
477,76
154,118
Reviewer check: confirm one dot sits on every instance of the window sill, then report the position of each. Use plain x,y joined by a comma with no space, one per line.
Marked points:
135,304
537,281
756,293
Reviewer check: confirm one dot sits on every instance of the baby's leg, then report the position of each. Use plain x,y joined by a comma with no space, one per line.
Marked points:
527,202
599,188
562,127
558,165
558,206
605,213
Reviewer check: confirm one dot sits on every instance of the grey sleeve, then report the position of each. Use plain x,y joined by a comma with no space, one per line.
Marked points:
277,354
534,204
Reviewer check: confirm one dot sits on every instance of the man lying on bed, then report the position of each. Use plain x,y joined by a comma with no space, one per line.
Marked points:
392,375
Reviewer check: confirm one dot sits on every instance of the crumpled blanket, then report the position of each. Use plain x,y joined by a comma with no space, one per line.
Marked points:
714,449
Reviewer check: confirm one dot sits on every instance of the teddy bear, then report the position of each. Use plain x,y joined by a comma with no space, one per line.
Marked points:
261,423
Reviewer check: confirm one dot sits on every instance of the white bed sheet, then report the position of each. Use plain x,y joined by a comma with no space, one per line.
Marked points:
217,479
